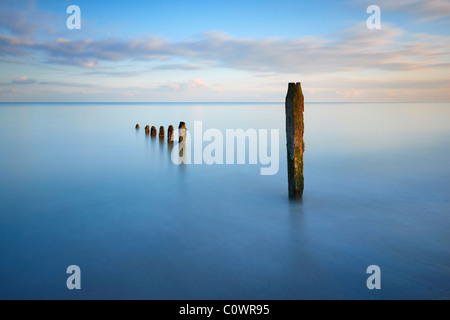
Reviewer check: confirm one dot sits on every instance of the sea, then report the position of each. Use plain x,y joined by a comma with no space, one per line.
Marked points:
79,185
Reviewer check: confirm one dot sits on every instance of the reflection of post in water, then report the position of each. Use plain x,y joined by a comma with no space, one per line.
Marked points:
161,143
294,137
170,148
182,152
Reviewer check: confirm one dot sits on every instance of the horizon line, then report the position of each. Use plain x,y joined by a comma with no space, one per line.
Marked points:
210,102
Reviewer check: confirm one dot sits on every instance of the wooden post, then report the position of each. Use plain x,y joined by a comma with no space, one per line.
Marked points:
170,134
182,131
154,132
161,132
295,143
147,129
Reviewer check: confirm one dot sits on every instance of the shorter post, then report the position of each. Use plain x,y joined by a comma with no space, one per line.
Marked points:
182,131
170,134
154,132
147,130
161,132
137,127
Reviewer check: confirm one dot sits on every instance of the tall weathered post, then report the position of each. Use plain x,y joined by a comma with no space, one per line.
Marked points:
294,137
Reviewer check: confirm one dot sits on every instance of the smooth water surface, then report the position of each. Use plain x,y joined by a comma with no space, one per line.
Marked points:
80,186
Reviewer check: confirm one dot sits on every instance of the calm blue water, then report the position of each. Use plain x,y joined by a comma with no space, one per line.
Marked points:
78,185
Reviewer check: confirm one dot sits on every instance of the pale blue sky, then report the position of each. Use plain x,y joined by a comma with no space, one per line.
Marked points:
224,51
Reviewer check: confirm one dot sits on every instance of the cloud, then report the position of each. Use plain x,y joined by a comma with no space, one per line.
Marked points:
423,10
24,18
13,46
8,93
23,80
180,66
369,84
16,21
366,89
196,84
12,61
335,59
188,85
67,84
88,52
112,73
89,64
356,48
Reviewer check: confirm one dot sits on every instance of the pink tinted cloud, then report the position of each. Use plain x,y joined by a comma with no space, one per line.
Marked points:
190,85
196,84
24,80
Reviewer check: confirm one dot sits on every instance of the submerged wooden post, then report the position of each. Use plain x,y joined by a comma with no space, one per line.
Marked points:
137,126
295,143
147,130
170,134
182,131
154,132
161,132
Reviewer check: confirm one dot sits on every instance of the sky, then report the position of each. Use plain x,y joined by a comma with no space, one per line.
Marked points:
224,51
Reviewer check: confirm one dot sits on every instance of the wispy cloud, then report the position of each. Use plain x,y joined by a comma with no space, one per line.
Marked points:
8,93
12,61
188,85
21,22
365,83
119,74
355,63
14,46
180,66
67,84
23,80
423,10
356,48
